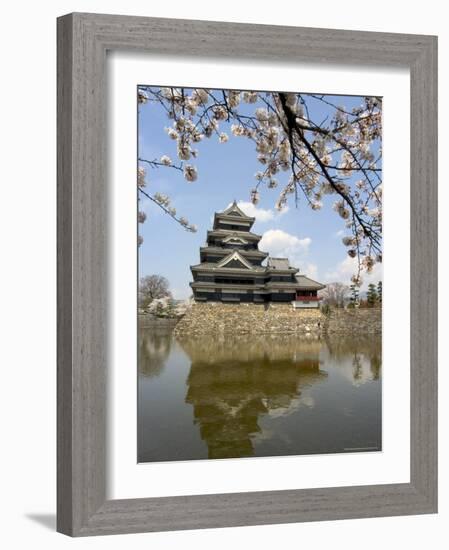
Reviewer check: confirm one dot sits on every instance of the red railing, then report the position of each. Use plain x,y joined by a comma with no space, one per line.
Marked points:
307,298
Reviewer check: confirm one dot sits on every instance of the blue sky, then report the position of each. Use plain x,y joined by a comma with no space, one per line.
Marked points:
311,239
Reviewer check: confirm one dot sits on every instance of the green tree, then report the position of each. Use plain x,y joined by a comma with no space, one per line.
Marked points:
372,295
379,292
354,299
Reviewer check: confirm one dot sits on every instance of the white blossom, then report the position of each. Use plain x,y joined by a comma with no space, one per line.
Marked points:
184,152
341,209
255,196
291,99
250,97
196,136
200,96
357,280
233,98
348,241
172,133
326,159
142,96
368,263
191,106
284,151
237,129
190,173
166,160
162,199
141,177
220,113
262,114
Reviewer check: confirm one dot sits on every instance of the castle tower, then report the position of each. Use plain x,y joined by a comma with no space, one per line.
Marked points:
231,267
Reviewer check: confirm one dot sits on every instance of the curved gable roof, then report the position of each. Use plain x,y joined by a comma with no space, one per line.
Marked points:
235,256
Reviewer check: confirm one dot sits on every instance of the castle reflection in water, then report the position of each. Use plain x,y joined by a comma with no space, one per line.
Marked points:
268,395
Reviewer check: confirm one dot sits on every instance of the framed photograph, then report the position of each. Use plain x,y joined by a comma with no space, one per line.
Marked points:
247,274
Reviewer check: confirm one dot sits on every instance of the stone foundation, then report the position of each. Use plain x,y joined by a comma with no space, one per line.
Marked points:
351,321
219,318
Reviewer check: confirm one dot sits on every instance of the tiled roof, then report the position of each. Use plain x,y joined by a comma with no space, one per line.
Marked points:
226,232
210,266
234,211
306,283
225,251
278,263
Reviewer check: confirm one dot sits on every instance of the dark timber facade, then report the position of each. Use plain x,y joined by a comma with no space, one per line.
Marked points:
231,267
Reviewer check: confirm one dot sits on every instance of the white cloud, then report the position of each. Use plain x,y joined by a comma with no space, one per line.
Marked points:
310,270
284,245
345,269
261,214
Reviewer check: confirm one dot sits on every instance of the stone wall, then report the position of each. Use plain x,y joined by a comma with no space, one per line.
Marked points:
215,317
360,321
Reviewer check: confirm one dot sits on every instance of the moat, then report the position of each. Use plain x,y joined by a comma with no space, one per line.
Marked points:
229,396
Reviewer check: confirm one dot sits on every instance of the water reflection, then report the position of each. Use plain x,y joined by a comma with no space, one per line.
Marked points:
234,380
154,349
268,395
365,353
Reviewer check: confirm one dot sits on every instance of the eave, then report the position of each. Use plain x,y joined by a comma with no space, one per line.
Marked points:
225,251
225,233
237,220
255,270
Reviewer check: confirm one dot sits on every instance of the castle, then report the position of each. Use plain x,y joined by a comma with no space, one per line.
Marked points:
231,270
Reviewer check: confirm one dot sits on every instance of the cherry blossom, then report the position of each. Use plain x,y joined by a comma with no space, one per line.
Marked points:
339,156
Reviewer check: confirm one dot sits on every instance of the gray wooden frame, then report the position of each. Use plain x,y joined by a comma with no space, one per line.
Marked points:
83,40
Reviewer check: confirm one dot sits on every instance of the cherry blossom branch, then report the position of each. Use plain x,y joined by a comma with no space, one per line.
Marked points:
171,212
156,163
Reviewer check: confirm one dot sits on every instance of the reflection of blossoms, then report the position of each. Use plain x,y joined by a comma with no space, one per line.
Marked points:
339,155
